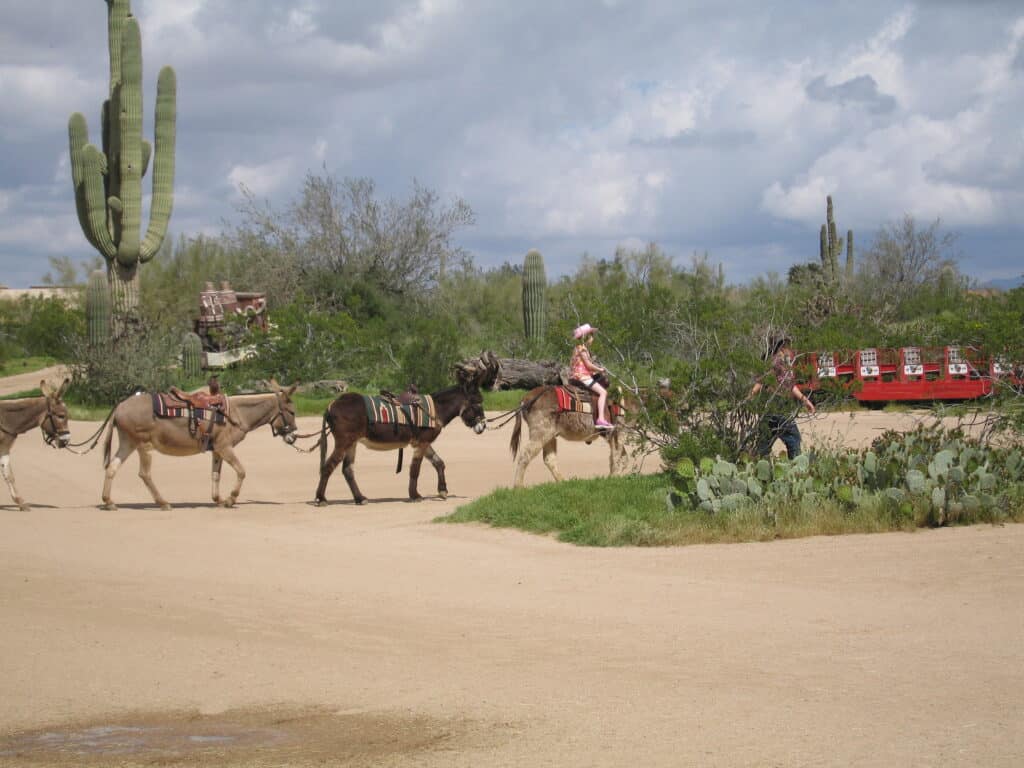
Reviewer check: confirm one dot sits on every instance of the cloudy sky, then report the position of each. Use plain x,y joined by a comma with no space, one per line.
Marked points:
569,126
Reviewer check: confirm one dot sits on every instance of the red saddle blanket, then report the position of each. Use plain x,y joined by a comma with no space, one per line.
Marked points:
570,402
167,406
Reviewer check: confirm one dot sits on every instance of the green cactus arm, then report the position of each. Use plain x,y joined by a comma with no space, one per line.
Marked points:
118,12
95,202
163,164
824,248
849,254
78,137
130,160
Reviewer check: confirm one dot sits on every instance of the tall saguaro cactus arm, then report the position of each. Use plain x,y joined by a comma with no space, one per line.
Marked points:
163,164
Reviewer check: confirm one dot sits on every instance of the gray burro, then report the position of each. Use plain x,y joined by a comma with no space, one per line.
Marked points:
24,413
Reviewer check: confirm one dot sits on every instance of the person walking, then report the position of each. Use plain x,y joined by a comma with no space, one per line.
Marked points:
780,421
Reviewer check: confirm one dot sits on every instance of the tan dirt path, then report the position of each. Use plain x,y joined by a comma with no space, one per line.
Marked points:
278,633
23,382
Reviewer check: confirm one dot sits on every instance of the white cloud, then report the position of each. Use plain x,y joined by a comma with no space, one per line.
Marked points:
264,179
34,97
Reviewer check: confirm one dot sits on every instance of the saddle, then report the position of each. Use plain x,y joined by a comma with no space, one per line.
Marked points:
576,398
203,411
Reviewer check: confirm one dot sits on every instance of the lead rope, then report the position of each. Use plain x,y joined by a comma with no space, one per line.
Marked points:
95,437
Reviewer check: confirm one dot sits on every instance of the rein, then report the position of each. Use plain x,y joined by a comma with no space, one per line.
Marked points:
522,407
95,437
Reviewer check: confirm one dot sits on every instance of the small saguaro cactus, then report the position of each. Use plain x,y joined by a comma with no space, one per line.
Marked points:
832,248
108,181
97,308
534,296
192,355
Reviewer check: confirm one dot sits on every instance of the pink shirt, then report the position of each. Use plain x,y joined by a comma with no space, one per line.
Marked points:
580,356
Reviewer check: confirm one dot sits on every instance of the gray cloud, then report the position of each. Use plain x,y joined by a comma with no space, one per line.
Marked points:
721,140
569,126
857,90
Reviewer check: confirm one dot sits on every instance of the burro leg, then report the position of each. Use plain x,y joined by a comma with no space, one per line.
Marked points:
216,462
124,450
8,473
146,473
228,454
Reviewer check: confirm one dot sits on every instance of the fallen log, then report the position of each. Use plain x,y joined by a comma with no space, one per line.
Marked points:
518,373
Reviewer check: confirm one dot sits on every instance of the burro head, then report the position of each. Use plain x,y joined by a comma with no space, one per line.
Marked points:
283,423
55,422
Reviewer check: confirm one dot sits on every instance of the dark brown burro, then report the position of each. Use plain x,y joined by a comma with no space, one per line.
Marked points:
139,429
22,414
349,424
539,409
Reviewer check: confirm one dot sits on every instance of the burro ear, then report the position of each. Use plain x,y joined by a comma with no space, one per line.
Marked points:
63,388
291,390
274,386
45,388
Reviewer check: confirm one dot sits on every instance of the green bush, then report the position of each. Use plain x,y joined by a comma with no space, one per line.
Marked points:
146,358
48,327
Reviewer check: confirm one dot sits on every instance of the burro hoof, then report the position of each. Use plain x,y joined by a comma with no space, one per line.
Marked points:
360,500
109,506
24,506
442,494
319,502
165,507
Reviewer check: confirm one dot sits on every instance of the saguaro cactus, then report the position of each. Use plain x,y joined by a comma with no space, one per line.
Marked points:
97,308
832,247
108,182
192,355
535,285
849,255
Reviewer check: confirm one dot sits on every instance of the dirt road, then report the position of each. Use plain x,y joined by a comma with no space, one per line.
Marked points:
278,633
23,382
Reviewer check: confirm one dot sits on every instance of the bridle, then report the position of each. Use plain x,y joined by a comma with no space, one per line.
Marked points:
55,435
285,431
480,424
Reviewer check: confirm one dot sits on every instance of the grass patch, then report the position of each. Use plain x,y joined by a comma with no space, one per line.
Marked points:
632,511
17,365
503,399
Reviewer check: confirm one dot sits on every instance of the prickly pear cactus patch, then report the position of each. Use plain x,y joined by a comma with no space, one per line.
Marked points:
931,475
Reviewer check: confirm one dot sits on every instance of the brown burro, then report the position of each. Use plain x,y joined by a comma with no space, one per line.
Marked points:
22,414
350,425
138,428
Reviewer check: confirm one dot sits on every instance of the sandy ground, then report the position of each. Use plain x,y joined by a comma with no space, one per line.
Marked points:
278,633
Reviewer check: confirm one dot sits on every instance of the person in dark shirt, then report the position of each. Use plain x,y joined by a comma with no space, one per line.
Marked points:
781,423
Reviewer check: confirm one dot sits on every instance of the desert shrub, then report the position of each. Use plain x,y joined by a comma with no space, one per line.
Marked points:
146,358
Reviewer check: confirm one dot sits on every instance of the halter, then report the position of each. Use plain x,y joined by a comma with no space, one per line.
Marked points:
51,437
284,430
481,423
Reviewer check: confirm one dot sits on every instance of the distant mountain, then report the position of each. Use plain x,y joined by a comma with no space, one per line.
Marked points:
1005,283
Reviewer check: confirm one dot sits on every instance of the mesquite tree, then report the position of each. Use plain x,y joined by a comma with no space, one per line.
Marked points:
108,181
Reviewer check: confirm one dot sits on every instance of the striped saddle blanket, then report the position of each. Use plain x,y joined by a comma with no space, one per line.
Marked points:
383,410
167,406
570,402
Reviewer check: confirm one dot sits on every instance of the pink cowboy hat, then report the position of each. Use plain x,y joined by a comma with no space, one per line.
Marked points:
583,330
